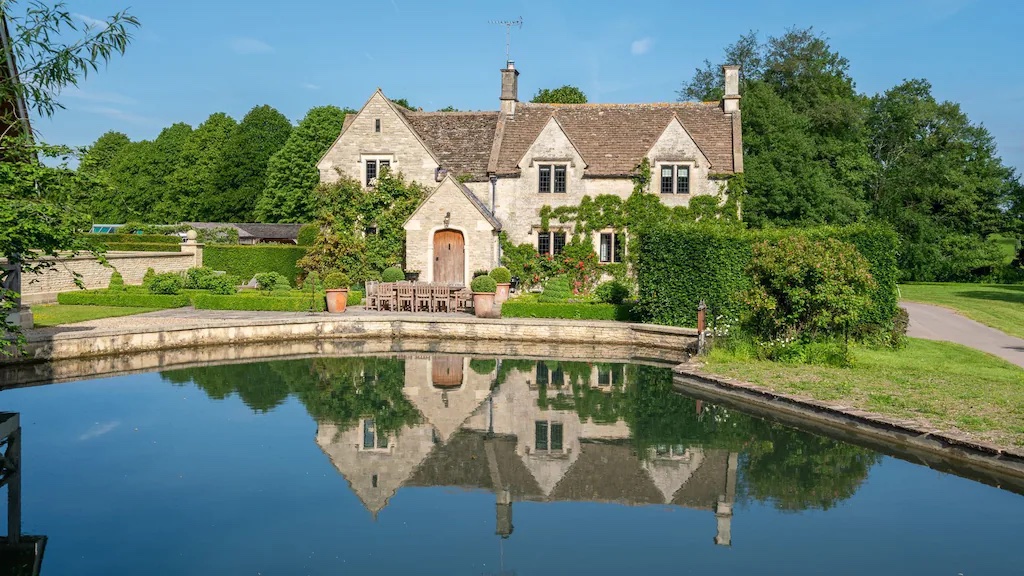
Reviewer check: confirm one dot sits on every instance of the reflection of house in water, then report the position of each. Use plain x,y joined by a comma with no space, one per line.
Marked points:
19,553
505,442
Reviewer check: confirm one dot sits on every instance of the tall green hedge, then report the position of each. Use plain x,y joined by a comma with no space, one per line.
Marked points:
245,262
135,238
140,247
677,266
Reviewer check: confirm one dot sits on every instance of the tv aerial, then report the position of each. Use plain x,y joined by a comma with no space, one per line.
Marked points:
508,24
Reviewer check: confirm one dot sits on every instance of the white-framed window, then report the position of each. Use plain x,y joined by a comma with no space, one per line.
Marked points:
551,242
611,246
675,178
551,178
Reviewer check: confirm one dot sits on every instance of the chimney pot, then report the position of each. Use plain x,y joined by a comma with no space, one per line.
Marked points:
509,88
731,98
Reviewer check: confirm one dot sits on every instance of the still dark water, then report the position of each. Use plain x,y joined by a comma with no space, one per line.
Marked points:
451,465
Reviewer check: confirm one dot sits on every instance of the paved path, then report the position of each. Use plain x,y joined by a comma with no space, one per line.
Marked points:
938,323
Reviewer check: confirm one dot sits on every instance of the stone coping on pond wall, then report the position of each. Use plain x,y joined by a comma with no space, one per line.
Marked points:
50,346
934,448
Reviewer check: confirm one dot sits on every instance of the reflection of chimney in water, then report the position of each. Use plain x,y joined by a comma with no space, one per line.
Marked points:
723,511
503,514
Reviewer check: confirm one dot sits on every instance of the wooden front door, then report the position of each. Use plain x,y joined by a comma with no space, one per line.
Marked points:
446,371
449,257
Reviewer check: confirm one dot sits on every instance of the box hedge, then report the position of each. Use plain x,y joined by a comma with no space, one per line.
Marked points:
244,262
260,303
139,247
677,266
567,310
121,298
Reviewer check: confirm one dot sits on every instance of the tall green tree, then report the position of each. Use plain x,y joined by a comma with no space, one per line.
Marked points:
40,205
97,158
292,174
139,177
563,95
195,178
242,170
168,147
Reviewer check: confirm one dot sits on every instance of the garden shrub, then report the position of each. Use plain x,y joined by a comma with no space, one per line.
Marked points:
167,240
677,266
221,285
483,366
478,273
307,234
244,262
556,289
147,278
218,235
167,283
484,284
612,292
501,275
268,281
312,282
141,247
803,289
898,334
199,278
116,282
122,298
392,274
336,280
568,310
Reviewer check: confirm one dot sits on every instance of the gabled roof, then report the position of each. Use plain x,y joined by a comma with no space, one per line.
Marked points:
614,138
460,140
477,203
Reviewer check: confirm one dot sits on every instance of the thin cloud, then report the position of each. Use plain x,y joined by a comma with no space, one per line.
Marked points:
641,46
123,116
397,9
89,21
309,86
99,430
100,97
245,45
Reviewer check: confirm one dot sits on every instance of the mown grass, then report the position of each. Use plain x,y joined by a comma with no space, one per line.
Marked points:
57,314
943,385
1000,306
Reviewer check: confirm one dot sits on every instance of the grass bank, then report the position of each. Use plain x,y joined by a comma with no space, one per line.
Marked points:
943,385
1000,306
57,314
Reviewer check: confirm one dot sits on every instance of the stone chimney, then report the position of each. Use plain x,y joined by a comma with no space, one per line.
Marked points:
731,99
509,89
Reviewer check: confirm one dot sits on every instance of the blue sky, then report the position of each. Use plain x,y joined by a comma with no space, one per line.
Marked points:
192,58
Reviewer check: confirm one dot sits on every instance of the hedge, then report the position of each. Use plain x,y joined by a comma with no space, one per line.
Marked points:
120,298
573,311
140,247
134,238
679,265
256,302
244,262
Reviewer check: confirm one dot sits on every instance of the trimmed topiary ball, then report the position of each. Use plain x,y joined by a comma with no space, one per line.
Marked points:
501,275
392,274
483,284
336,281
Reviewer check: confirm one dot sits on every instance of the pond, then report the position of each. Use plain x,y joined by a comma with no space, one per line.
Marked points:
451,464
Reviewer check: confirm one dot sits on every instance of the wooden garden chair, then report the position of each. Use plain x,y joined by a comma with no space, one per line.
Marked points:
405,299
422,297
386,296
440,297
371,295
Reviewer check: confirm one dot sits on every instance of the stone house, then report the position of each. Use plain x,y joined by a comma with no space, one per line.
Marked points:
493,171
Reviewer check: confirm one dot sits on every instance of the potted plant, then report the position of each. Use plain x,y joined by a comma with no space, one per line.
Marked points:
336,286
503,278
483,288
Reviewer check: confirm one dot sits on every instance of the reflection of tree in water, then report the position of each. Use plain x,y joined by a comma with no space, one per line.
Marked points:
336,390
792,469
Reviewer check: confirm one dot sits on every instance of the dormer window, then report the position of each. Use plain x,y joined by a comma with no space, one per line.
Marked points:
376,125
675,179
551,178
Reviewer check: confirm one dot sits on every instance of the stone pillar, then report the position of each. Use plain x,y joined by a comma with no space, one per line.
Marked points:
723,511
191,247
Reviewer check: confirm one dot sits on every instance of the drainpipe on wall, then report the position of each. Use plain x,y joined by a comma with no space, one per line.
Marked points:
494,203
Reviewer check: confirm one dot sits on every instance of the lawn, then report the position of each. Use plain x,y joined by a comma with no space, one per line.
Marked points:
945,385
1000,306
56,314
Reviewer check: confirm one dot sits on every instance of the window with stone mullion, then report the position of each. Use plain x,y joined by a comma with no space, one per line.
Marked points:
544,180
371,171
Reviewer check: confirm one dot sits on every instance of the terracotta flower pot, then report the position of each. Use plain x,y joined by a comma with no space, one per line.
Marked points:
502,293
337,300
483,304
